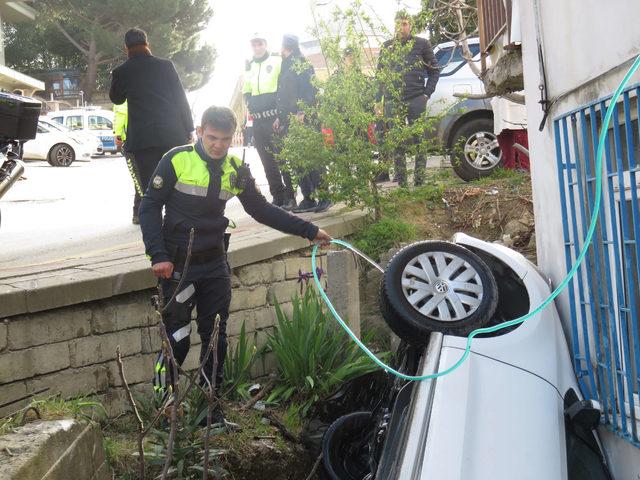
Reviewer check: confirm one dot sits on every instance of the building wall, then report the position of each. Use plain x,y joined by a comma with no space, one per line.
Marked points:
587,47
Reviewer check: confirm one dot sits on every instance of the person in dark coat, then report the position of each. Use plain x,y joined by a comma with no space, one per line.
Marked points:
420,74
295,87
159,113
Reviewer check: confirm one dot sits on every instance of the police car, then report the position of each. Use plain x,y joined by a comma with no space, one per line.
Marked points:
93,120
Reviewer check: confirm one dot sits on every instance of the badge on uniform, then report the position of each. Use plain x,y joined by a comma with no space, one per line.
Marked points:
157,182
269,68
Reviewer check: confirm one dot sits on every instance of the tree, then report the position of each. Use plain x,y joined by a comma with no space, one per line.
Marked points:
89,34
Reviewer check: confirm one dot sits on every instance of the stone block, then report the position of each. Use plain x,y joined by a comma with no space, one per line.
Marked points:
10,393
261,273
283,291
151,342
344,287
72,382
3,335
49,327
235,321
13,301
122,313
102,348
294,265
266,317
33,361
137,369
248,298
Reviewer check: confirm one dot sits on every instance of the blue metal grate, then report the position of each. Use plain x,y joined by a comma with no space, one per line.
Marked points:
604,297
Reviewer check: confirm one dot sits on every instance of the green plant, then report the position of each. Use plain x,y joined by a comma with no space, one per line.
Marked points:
377,238
313,356
237,367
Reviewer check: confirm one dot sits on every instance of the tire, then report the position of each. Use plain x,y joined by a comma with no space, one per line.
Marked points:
439,286
62,155
398,326
474,150
345,447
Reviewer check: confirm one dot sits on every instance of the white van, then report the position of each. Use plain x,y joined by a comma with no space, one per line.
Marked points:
91,120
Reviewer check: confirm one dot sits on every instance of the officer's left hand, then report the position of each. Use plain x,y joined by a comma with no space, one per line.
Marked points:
323,238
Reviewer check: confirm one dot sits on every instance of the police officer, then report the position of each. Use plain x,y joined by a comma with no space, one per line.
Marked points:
260,92
193,183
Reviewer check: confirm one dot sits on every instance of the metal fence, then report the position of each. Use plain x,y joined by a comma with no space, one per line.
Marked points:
604,296
494,18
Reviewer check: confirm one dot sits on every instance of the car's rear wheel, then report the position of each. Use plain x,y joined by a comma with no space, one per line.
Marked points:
439,286
62,155
475,150
345,447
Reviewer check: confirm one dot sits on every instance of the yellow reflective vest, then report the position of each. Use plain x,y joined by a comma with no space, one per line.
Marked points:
120,120
261,85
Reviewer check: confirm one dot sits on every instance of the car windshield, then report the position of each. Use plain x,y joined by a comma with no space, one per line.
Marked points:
451,59
56,126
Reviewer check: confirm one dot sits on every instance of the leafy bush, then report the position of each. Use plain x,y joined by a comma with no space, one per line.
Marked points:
313,356
237,367
379,237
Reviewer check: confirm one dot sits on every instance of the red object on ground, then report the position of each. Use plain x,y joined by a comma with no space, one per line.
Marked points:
513,158
327,133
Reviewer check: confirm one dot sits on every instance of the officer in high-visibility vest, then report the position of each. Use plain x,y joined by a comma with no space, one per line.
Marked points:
260,90
193,184
120,121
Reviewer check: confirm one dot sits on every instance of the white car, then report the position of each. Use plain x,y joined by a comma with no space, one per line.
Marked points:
57,147
92,140
90,120
512,410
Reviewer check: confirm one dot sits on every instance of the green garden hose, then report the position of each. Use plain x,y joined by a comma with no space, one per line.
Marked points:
517,321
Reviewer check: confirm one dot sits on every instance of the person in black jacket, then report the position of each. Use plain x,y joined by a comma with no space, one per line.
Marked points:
159,113
420,73
193,184
295,88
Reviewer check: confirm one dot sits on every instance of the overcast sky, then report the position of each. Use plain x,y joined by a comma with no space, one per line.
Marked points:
234,21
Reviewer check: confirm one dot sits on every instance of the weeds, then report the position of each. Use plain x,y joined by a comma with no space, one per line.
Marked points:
379,237
237,367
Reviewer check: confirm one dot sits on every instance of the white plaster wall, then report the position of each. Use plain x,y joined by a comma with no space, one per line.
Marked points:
581,39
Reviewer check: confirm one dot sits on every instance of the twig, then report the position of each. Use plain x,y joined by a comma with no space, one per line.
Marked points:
166,346
184,273
134,407
211,394
315,467
263,393
282,428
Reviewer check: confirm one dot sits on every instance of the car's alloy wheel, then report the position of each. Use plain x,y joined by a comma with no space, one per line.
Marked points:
438,286
62,155
476,152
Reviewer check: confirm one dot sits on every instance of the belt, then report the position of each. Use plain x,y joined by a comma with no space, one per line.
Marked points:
266,114
198,258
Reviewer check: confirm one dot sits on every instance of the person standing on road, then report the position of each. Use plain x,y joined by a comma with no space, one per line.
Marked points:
259,90
419,69
295,87
193,184
159,117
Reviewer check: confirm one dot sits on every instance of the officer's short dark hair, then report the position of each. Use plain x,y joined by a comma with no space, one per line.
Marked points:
135,36
220,118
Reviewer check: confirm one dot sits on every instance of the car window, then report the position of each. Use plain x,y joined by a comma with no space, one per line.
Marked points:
58,120
41,129
97,122
450,59
75,122
56,126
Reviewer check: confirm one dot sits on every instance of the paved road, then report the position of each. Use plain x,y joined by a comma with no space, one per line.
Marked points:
60,213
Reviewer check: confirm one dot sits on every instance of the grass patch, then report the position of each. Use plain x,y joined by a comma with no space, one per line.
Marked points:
377,238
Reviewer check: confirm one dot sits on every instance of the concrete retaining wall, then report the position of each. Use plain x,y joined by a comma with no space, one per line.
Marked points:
66,343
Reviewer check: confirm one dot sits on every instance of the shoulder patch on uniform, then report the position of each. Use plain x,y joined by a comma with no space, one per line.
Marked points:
183,148
157,182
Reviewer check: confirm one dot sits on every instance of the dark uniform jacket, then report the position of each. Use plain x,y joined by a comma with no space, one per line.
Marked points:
294,85
159,113
194,189
420,67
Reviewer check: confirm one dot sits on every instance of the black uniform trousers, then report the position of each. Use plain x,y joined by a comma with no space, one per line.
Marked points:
145,162
207,287
416,108
264,139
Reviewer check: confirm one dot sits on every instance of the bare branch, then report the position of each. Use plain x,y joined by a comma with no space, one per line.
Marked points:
166,346
211,394
72,40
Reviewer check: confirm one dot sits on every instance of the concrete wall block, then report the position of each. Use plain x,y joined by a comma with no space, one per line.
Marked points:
235,321
283,291
194,337
9,393
248,298
73,382
102,348
3,335
344,287
137,369
293,266
129,311
33,361
49,327
265,318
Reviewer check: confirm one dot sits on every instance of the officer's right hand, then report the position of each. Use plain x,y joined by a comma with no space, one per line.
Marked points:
163,269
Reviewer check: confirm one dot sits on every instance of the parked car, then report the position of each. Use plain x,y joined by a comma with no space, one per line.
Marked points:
92,140
513,409
91,120
57,147
465,128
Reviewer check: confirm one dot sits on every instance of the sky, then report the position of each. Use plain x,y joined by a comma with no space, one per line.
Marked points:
234,21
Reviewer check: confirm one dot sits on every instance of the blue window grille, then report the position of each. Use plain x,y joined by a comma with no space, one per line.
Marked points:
604,297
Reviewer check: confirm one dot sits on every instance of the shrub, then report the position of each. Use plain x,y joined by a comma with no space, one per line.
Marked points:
379,237
237,367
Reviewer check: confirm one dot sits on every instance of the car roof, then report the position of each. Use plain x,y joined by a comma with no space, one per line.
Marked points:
470,41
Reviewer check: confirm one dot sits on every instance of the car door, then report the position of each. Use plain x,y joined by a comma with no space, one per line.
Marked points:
38,148
98,124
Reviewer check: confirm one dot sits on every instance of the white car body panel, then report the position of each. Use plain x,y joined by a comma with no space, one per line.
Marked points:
92,140
39,147
104,135
500,415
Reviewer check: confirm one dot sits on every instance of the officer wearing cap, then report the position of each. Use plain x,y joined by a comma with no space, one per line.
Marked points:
193,184
260,91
